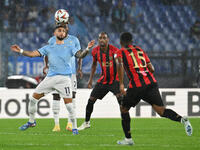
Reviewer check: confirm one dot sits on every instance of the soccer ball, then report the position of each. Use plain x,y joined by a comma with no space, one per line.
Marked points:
61,16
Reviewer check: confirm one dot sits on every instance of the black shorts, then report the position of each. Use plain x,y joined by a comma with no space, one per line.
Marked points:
149,94
100,90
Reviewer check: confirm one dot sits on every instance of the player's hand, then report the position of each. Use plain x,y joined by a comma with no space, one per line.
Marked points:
45,70
91,44
80,73
123,92
89,84
15,48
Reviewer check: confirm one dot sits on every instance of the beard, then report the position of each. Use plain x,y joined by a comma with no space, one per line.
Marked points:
102,45
60,38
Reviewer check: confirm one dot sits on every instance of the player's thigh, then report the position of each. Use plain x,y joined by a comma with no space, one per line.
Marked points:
99,91
45,86
132,98
63,86
74,82
152,96
114,88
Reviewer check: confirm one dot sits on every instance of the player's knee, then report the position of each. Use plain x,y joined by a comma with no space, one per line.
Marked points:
119,99
159,109
56,97
161,112
92,100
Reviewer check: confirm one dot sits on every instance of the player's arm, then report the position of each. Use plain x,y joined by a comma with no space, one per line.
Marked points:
150,67
93,69
46,66
149,64
83,53
16,48
79,70
120,71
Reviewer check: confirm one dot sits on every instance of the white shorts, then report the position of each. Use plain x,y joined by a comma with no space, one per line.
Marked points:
59,83
74,82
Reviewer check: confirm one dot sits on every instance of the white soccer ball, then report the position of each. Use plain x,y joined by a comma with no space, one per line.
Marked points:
61,16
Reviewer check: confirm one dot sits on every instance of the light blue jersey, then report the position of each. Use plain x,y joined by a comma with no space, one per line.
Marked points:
72,40
59,58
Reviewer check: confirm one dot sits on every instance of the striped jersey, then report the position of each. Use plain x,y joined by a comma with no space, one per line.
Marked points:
135,62
107,63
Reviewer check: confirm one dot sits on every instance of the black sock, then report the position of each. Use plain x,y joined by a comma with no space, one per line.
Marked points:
119,100
89,109
126,124
168,113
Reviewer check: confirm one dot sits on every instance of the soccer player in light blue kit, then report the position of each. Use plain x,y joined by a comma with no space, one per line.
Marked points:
59,74
72,40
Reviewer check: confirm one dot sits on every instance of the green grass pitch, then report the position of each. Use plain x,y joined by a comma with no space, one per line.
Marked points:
147,133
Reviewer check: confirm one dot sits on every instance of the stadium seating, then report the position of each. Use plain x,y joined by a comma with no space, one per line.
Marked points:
161,27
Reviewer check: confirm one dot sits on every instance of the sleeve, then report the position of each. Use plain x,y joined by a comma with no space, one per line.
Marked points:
77,46
94,55
118,54
52,40
116,49
146,58
43,50
115,52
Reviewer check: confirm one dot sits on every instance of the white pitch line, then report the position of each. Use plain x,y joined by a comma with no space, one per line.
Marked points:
6,133
72,144
30,144
105,145
51,134
108,145
102,145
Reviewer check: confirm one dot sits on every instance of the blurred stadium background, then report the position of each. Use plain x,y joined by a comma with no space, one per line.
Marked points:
169,30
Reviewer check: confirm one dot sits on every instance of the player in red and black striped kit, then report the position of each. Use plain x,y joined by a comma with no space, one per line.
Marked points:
109,81
142,85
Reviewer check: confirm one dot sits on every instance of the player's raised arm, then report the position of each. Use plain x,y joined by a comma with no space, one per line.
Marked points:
17,49
83,53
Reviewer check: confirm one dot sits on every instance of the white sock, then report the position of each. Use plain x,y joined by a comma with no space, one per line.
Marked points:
56,110
74,103
72,116
74,107
32,108
128,139
88,122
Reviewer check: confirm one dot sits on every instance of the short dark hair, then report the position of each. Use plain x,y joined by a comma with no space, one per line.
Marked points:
126,37
103,32
60,25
